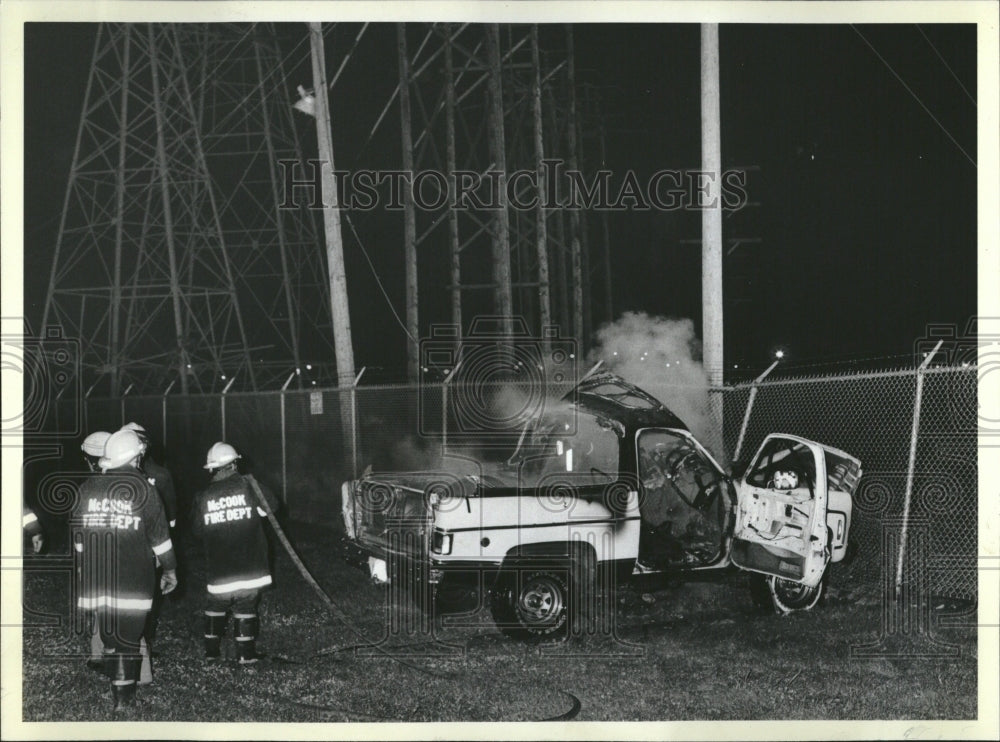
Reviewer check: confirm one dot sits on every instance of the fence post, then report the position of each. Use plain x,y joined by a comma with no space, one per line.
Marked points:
746,415
222,405
284,444
444,406
163,411
914,433
354,423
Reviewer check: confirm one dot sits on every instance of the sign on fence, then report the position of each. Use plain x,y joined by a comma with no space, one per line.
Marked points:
316,403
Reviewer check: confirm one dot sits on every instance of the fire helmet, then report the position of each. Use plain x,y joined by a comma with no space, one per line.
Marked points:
93,444
219,455
121,448
785,479
138,430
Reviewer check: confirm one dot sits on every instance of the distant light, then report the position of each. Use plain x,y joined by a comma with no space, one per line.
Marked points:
298,372
572,355
779,354
736,365
615,353
668,365
425,369
314,382
189,365
223,377
309,367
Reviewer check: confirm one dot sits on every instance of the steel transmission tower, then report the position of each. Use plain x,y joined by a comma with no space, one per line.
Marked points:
251,142
172,257
477,98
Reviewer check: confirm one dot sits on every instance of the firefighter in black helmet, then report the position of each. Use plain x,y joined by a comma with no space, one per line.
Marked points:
229,520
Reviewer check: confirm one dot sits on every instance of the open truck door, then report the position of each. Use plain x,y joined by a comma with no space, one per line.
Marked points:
782,531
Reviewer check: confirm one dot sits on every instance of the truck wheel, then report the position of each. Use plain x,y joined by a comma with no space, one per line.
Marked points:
532,603
776,595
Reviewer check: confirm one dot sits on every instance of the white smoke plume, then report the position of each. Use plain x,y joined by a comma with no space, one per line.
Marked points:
662,356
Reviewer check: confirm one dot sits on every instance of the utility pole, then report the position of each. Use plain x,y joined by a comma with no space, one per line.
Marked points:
409,211
541,230
340,310
711,217
453,241
501,221
574,214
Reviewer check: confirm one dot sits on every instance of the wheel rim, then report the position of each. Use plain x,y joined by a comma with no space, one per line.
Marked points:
793,595
540,601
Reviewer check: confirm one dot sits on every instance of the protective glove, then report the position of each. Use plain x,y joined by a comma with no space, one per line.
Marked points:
168,581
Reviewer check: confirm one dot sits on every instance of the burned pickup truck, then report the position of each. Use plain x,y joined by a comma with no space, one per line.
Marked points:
608,486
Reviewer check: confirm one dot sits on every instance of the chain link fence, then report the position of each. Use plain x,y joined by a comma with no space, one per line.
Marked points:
303,444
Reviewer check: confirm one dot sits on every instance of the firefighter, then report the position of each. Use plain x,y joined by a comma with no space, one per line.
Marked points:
120,530
32,529
93,449
161,478
160,475
229,520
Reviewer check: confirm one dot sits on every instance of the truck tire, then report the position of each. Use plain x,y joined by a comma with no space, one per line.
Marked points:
532,603
775,595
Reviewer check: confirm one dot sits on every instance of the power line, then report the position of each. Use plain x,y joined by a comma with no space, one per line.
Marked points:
947,66
908,90
350,224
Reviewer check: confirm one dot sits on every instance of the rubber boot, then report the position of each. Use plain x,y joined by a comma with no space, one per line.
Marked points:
247,627
123,681
215,627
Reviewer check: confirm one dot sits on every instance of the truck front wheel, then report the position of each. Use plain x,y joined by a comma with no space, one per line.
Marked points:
532,603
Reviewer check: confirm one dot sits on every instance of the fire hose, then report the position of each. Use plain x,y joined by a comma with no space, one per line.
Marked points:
328,601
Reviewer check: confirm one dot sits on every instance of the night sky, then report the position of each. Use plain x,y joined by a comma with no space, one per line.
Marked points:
864,209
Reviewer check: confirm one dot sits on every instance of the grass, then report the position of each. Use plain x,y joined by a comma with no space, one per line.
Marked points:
690,651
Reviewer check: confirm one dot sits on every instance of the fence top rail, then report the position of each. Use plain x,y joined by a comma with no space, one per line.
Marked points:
560,386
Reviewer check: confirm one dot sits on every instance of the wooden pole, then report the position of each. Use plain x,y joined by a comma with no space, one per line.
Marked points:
541,229
576,256
409,209
340,311
711,217
501,221
453,241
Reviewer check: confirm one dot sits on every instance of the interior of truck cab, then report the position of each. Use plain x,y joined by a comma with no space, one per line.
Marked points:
682,502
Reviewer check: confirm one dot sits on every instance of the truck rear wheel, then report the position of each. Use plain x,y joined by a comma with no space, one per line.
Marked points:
776,595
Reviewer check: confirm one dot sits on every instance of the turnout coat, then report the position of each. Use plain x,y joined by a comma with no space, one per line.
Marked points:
229,520
119,529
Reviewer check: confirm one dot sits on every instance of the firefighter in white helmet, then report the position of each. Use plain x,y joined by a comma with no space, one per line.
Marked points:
119,529
93,450
160,475
229,519
161,478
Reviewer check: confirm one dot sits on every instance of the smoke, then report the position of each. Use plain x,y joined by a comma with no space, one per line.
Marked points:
663,357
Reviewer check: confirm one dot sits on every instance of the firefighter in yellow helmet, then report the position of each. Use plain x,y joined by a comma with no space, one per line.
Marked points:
119,530
229,520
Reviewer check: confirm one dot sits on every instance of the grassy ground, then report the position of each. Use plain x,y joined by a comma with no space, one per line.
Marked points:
691,651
